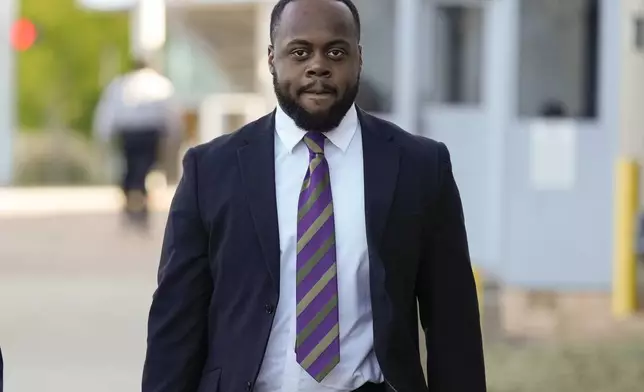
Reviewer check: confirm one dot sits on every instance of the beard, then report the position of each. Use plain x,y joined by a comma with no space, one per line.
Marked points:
316,122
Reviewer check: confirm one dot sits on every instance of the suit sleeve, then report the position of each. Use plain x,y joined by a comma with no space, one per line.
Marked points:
446,293
1,370
177,326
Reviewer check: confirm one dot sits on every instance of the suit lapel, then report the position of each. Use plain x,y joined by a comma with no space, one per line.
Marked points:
257,164
381,160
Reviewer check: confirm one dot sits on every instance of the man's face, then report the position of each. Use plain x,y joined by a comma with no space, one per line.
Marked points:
316,60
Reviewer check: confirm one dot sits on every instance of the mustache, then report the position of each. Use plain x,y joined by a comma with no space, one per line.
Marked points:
317,87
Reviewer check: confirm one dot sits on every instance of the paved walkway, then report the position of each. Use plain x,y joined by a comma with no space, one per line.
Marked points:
75,288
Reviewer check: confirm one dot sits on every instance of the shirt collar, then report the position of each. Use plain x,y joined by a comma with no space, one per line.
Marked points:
290,134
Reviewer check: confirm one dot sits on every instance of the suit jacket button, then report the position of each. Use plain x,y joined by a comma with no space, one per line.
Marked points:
269,308
249,386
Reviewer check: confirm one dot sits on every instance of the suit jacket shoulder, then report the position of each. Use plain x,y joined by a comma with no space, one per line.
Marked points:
429,154
213,168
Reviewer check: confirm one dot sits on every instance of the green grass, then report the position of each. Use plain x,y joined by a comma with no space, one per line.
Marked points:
570,367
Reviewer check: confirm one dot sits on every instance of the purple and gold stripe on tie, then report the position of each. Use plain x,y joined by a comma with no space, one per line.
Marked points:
318,332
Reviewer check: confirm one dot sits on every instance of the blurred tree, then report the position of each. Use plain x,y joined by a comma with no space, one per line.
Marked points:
62,73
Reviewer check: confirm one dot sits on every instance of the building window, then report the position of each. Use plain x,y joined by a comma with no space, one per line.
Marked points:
458,54
558,58
378,19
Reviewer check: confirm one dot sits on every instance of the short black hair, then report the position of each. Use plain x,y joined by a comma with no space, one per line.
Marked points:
276,15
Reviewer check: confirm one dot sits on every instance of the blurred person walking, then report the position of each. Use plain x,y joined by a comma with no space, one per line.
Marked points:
137,110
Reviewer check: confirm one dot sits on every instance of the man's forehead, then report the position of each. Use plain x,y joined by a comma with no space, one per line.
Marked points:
308,19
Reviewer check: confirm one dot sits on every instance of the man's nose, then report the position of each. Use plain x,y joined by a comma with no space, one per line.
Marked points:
318,68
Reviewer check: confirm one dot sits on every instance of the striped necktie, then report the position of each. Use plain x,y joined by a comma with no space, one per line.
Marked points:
318,341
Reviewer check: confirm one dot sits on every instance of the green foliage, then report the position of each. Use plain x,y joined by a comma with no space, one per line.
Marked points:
60,75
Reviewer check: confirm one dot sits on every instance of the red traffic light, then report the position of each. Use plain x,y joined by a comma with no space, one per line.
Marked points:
23,34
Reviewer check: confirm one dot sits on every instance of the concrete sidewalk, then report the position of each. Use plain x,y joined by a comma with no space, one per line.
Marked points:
75,288
40,201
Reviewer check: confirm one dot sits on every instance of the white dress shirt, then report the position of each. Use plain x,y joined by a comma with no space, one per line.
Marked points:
280,370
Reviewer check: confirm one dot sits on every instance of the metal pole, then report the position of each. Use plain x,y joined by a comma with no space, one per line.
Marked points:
406,93
262,40
625,257
147,29
7,92
631,122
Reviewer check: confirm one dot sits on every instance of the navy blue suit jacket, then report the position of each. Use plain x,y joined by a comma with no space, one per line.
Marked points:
218,282
1,371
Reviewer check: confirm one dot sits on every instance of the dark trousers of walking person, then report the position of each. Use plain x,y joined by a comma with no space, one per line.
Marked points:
140,149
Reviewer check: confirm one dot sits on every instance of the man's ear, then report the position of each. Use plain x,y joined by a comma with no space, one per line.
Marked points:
271,59
360,52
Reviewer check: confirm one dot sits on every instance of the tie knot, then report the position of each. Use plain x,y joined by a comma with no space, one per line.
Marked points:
315,142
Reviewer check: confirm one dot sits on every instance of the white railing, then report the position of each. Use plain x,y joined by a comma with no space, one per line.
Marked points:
216,108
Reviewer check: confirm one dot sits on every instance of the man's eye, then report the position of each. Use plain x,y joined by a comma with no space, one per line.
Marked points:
299,53
336,53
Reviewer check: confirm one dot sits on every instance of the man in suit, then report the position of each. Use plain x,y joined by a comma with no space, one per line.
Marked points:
300,250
